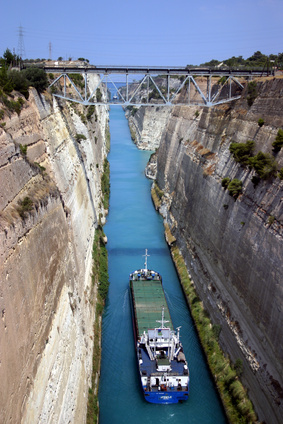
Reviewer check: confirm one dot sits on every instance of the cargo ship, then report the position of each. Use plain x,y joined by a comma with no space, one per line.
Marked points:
163,369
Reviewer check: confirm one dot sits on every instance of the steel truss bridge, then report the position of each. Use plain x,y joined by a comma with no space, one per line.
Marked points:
174,86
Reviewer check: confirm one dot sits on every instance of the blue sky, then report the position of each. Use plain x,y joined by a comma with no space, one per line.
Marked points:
148,32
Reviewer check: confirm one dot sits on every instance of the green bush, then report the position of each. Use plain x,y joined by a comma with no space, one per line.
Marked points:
216,329
271,219
242,151
238,367
235,188
154,94
225,182
105,183
264,165
134,111
280,174
12,105
100,277
278,142
222,80
78,80
19,82
100,262
260,122
25,205
80,137
158,191
83,118
5,81
23,149
98,95
90,112
37,78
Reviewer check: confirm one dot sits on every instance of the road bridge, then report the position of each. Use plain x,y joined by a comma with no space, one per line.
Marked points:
150,86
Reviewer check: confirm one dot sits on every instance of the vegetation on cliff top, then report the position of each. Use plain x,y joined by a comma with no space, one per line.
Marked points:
14,79
19,81
257,60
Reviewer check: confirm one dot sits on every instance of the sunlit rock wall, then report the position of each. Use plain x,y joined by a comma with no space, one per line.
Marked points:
147,125
47,301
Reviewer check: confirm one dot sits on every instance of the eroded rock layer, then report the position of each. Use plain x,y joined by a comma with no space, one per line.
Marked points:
50,200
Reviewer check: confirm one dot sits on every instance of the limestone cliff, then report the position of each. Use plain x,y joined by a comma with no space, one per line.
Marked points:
147,125
50,200
233,248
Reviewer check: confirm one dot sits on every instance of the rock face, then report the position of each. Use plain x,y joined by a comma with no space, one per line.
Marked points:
233,248
47,301
147,125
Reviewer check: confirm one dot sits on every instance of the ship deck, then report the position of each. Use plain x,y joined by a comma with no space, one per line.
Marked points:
149,366
149,301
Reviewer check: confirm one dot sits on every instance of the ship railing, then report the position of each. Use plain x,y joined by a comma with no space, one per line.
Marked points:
151,357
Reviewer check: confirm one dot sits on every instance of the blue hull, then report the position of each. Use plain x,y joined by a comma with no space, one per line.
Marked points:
166,397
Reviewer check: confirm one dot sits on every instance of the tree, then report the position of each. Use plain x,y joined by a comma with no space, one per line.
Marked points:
257,59
211,64
9,57
242,151
37,78
98,95
19,82
260,122
278,142
5,82
225,182
235,188
264,165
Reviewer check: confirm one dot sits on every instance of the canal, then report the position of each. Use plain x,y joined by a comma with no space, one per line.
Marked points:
132,226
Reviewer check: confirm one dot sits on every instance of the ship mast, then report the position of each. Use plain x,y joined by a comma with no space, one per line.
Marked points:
145,262
163,321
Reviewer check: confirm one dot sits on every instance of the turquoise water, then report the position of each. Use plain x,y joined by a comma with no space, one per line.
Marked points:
132,226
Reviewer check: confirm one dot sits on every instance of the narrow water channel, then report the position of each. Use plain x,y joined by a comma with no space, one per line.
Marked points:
132,226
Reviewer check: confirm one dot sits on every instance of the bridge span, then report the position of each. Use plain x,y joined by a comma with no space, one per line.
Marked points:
150,86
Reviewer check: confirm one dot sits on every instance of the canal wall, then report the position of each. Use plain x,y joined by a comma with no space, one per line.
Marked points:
232,246
50,171
147,125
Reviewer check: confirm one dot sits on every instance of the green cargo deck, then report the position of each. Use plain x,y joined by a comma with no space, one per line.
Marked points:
149,300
